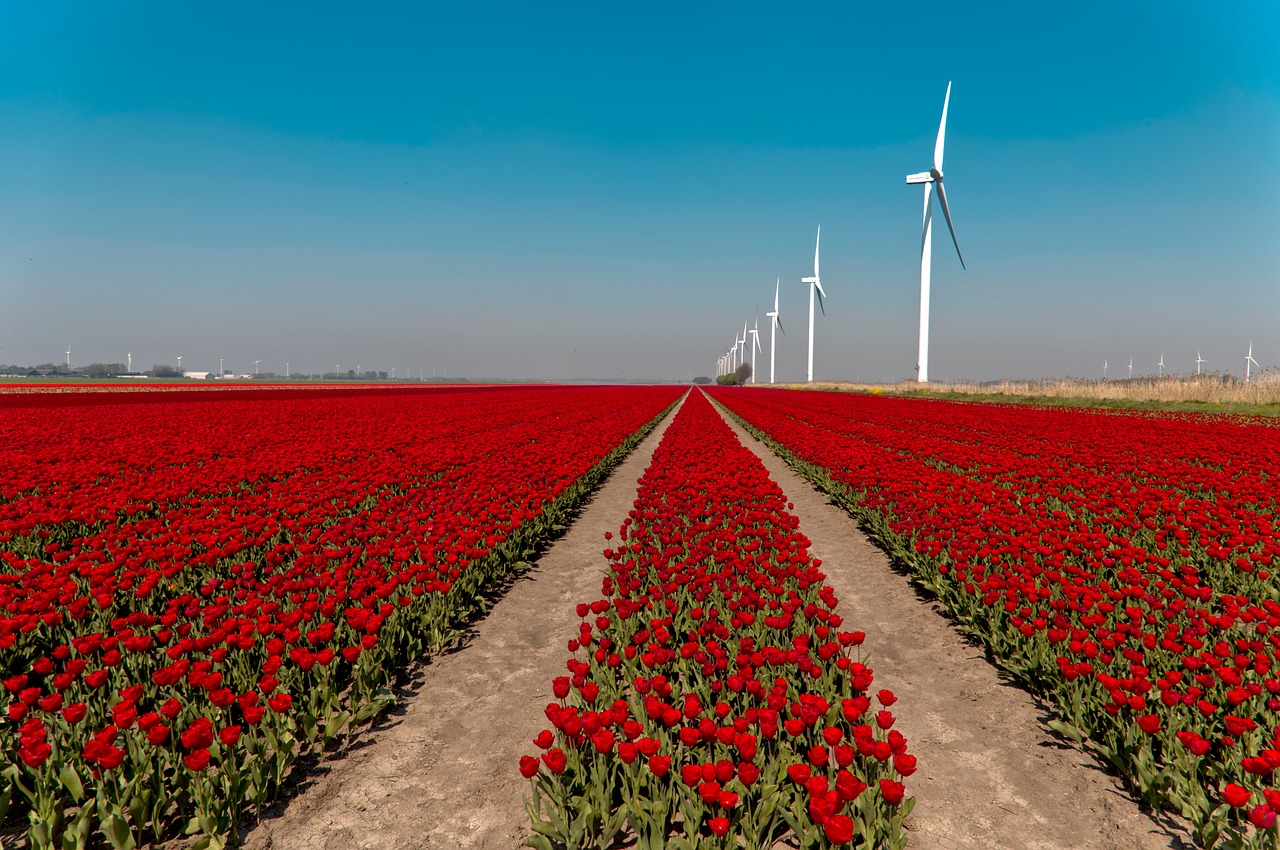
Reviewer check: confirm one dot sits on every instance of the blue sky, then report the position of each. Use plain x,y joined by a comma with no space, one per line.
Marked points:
585,190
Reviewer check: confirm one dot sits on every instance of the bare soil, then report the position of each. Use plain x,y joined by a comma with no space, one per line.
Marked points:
441,772
991,773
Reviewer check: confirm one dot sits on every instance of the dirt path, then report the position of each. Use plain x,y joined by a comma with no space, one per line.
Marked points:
991,775
442,773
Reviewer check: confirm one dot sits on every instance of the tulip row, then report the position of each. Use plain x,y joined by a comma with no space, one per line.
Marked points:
172,649
713,699
1133,589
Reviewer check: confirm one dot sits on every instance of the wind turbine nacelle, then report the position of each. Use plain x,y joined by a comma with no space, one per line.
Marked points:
922,177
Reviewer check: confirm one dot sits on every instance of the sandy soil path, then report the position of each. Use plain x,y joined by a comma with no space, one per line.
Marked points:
991,774
441,773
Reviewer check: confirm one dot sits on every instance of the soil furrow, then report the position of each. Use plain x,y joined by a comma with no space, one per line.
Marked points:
441,773
991,773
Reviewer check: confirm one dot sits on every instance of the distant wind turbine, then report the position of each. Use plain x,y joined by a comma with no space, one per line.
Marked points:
129,358
930,179
742,345
815,284
1104,368
1248,360
1161,364
1130,367
179,364
1199,360
68,357
776,323
755,344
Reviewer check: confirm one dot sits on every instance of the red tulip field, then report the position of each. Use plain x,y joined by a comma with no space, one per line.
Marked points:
198,587
205,591
1121,565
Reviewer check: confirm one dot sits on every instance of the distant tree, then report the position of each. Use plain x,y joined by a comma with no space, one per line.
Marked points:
103,370
702,379
742,373
161,370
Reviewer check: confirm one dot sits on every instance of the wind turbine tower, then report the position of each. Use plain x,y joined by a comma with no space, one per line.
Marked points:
1161,364
1248,361
1200,360
931,179
776,321
815,284
755,345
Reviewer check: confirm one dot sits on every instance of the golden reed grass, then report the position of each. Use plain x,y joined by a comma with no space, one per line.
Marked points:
1208,389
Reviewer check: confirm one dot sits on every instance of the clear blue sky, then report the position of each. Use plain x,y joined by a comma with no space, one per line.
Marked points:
594,190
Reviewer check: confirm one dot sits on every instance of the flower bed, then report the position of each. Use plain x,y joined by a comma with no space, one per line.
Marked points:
170,649
713,698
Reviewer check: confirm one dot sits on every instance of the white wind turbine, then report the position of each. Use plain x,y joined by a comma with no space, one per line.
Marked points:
776,323
129,358
1161,364
741,343
1104,368
930,179
755,345
815,283
1131,367
1248,360
68,357
1200,360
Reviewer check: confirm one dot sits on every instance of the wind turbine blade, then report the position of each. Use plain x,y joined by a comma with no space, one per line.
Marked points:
820,293
942,199
942,131
816,245
776,287
778,319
